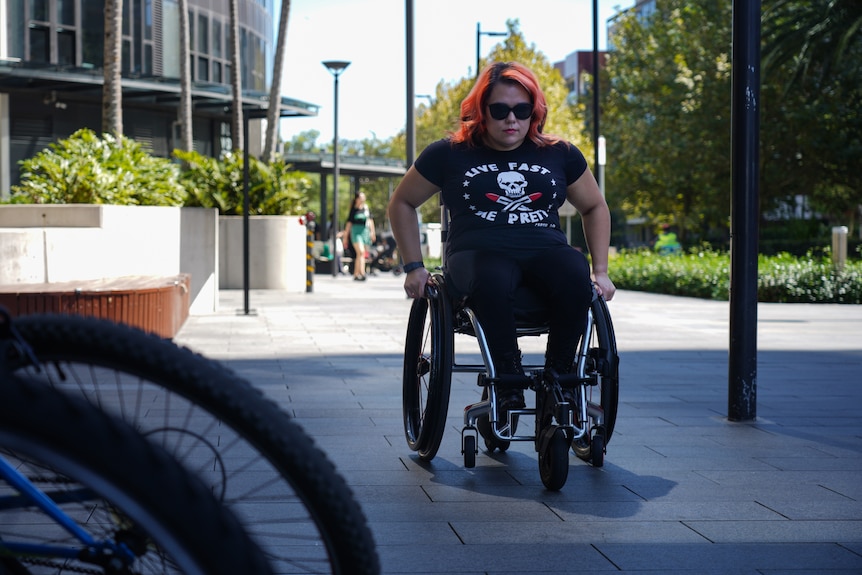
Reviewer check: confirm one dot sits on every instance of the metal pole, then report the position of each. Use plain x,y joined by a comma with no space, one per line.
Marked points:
336,67
745,127
596,82
410,95
335,174
245,209
479,35
478,49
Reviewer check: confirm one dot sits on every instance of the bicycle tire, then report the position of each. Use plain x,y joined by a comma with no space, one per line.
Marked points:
262,464
118,486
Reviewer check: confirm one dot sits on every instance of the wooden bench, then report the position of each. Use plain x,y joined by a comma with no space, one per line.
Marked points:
155,304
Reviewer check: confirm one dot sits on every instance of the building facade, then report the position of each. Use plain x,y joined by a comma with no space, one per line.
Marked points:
51,76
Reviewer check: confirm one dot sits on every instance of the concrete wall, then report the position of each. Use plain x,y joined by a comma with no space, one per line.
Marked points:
57,243
277,246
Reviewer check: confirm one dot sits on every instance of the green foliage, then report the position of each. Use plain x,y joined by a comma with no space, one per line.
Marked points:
274,189
667,107
88,169
705,273
667,116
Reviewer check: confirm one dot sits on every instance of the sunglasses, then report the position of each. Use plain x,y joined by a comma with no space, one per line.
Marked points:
501,111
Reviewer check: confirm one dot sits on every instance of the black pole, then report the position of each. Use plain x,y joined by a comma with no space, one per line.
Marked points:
745,128
596,83
478,47
245,208
335,180
411,96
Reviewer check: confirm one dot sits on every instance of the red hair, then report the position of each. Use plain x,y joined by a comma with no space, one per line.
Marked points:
473,107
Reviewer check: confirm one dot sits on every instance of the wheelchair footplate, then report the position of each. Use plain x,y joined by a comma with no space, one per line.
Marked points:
557,425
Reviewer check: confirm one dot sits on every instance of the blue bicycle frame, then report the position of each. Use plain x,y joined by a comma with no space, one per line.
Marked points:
30,494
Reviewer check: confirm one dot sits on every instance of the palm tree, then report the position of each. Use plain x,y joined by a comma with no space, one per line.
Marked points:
235,78
185,111
811,36
112,88
273,113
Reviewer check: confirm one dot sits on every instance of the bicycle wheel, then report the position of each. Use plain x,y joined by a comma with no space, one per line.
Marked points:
427,376
603,364
144,512
285,491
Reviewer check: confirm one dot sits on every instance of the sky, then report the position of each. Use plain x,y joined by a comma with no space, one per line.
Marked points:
370,34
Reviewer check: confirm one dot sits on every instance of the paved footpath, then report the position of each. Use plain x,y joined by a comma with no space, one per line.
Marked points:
683,490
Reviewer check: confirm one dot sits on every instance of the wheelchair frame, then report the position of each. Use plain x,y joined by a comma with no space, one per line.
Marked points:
429,361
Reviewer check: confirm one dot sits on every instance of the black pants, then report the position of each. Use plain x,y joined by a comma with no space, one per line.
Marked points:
558,275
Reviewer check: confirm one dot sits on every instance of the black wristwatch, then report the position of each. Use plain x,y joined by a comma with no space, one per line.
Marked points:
413,266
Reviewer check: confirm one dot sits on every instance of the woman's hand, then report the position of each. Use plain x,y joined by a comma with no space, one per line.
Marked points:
415,282
604,286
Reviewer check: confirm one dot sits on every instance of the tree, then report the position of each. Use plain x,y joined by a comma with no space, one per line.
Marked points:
112,88
813,63
274,112
815,38
185,111
667,116
236,128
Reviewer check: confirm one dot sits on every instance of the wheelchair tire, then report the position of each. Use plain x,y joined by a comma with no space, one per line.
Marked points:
607,362
427,371
469,451
554,461
604,360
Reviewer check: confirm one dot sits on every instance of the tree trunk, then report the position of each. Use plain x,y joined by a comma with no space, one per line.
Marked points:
274,112
235,79
112,88
185,112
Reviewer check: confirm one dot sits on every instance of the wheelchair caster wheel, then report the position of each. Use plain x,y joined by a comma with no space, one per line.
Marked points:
554,461
597,449
470,451
591,450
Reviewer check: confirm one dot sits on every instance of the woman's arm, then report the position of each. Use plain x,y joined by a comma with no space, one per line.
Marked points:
585,195
413,191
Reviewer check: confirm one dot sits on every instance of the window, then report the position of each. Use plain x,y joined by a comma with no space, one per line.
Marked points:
203,34
40,46
66,12
66,47
203,69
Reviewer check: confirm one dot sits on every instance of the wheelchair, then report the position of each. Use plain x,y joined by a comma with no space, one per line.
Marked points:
584,425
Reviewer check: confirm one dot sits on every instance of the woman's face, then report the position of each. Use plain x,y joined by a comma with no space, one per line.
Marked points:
510,132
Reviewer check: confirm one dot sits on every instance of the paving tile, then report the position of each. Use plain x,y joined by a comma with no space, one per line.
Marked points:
683,490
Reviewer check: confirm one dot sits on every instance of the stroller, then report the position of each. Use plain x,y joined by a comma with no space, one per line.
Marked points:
382,256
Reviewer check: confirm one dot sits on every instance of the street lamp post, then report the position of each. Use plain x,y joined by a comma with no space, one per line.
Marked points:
479,35
336,67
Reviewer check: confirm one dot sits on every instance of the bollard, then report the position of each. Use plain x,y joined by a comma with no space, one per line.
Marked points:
309,258
839,247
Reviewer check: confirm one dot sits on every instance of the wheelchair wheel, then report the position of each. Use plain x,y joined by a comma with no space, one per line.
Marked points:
554,461
427,371
602,361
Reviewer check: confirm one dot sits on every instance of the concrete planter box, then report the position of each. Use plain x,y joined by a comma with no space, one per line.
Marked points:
277,253
77,242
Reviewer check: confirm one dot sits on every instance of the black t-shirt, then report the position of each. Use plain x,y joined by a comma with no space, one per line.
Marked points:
502,200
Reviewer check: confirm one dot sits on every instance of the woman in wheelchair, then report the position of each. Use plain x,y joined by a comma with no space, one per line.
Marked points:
502,180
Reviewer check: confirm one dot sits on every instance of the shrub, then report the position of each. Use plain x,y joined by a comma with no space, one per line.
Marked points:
87,169
274,189
705,273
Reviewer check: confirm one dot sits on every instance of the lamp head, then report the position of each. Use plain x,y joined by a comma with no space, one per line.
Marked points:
336,67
